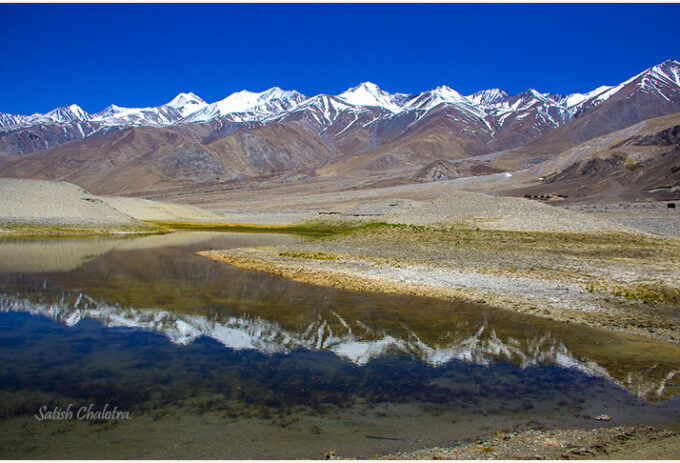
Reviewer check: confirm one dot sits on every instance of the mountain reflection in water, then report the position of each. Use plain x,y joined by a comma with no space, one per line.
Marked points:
158,283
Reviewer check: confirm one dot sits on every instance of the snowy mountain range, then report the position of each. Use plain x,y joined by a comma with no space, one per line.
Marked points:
494,106
363,131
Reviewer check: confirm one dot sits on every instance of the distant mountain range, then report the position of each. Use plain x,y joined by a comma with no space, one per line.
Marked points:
360,131
493,107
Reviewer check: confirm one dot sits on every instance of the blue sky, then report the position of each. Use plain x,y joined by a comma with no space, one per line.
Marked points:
143,55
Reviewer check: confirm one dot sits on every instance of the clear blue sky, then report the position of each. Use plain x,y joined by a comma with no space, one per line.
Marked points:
143,55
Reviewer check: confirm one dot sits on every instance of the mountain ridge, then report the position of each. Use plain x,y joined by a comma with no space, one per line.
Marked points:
361,133
190,107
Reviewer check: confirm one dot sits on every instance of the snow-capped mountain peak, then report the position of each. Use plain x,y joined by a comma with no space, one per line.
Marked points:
77,111
529,98
669,71
153,117
277,93
257,105
488,97
187,103
184,98
490,107
369,94
245,100
109,111
64,114
370,86
437,96
574,100
533,93
447,93
240,101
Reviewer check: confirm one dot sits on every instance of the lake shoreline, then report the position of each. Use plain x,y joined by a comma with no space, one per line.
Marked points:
488,273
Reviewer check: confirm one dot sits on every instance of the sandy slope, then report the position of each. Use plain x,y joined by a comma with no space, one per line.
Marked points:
38,203
56,203
145,209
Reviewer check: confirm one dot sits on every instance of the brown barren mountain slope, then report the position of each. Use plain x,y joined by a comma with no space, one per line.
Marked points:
629,106
138,160
118,162
641,162
436,137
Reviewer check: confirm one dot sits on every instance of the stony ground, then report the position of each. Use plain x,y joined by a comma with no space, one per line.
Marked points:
617,443
653,217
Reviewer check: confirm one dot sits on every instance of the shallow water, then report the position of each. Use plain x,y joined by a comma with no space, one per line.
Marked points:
216,362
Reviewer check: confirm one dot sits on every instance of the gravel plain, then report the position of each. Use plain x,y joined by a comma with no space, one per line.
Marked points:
481,211
654,217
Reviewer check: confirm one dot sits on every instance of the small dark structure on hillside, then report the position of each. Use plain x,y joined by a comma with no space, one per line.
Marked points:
670,205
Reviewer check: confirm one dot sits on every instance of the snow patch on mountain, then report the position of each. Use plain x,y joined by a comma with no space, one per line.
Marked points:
600,94
661,78
153,117
66,114
435,97
322,110
13,120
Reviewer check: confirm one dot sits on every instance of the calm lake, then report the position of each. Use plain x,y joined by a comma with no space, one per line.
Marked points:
210,361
